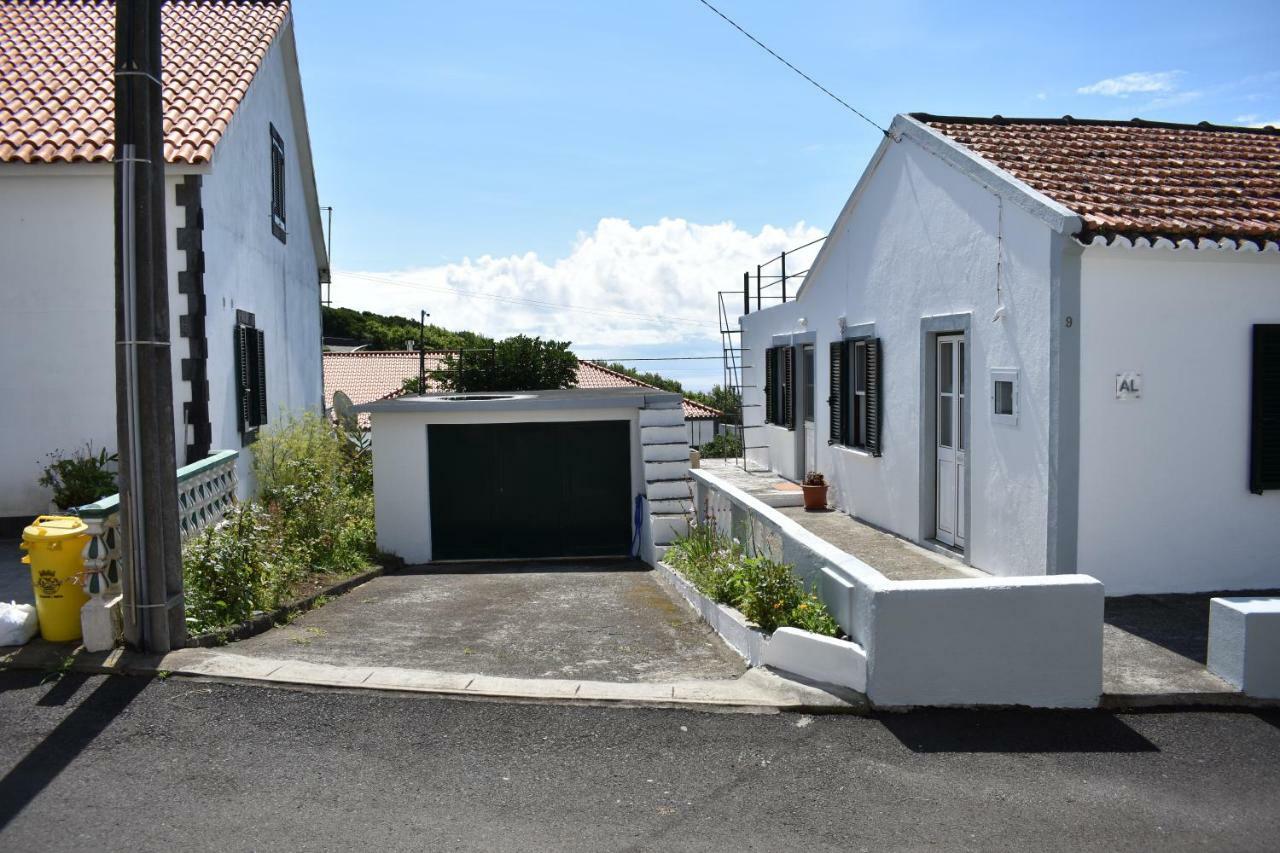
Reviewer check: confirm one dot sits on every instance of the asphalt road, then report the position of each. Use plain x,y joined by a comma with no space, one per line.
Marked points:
129,764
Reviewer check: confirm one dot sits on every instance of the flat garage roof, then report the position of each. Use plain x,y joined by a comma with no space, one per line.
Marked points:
509,401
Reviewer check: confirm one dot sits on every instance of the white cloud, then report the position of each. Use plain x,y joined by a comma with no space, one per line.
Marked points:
1041,96
635,289
1144,82
1247,118
1275,122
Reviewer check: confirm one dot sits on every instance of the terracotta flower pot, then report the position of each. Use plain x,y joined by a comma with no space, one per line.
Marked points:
815,497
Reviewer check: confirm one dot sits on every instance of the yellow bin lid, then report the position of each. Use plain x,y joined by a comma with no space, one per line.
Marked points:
49,527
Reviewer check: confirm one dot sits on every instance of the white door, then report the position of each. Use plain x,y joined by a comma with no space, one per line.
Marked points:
951,439
810,434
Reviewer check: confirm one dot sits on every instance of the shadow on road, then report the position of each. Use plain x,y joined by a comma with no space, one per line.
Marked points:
1014,731
26,779
515,567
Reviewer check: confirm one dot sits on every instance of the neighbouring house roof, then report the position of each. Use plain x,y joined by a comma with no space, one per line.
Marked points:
592,375
369,376
1138,179
56,81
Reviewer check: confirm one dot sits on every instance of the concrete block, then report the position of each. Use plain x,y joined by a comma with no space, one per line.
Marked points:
1034,641
1244,644
670,490
304,672
397,678
677,434
666,528
530,688
624,692
671,507
666,453
661,418
666,470
819,658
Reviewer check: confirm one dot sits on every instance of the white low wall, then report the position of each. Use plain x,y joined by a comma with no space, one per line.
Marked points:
1033,641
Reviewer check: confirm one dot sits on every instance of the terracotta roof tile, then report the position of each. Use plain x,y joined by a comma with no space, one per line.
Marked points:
57,92
378,374
1137,178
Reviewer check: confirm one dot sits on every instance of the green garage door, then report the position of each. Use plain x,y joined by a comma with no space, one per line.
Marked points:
530,490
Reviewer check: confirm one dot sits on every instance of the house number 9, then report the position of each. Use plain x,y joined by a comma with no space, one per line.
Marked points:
1068,322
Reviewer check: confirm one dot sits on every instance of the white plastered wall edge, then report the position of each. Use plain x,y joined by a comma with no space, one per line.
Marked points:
285,42
1058,217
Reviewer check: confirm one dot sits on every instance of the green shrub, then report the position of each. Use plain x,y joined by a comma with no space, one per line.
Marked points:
313,516
766,591
225,569
81,477
771,593
722,446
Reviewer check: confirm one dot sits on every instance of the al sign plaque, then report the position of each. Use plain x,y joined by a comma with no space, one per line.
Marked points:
1129,386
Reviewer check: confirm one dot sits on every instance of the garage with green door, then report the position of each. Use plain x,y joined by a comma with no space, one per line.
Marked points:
548,489
509,476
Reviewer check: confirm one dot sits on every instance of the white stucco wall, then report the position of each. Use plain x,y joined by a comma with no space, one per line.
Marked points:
401,481
248,268
917,240
1164,480
57,320
57,292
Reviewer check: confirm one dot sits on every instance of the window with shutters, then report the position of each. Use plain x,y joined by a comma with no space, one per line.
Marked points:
277,185
251,377
855,394
780,387
1264,439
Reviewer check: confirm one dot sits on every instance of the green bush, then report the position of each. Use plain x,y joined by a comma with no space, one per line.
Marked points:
723,445
81,477
313,517
766,591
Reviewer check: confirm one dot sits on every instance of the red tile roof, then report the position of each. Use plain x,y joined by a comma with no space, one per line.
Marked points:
592,375
1138,178
378,374
57,91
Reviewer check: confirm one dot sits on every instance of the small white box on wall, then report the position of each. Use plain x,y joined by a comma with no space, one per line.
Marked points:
1004,395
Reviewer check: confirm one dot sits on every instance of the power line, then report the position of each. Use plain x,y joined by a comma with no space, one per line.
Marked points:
659,358
521,300
829,93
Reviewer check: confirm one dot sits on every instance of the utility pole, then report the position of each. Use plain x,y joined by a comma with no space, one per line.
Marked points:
422,352
152,580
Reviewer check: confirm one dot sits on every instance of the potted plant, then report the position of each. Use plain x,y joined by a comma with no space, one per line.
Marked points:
815,491
80,477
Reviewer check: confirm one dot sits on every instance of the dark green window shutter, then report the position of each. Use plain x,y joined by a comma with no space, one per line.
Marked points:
244,387
260,379
1264,441
836,398
874,407
789,387
770,382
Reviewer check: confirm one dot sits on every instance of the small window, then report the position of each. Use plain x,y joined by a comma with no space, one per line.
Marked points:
1264,438
854,404
277,185
1004,396
251,376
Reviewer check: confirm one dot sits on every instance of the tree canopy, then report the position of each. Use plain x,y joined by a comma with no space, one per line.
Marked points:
386,332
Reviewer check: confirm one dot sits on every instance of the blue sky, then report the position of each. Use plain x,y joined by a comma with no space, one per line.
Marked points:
593,153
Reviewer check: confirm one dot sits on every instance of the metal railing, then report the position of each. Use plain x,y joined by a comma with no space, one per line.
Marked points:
770,288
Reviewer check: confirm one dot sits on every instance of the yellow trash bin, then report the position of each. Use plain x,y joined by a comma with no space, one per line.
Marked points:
54,544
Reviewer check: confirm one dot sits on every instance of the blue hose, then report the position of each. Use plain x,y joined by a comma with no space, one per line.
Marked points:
639,525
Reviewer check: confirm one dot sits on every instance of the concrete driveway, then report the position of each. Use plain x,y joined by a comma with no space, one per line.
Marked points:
598,620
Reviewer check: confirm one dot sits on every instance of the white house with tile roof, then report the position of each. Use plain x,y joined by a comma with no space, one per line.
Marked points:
246,249
1046,346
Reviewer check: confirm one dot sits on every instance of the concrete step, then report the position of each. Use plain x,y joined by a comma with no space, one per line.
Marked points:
666,490
666,528
666,470
666,453
674,506
664,434
661,417
660,551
